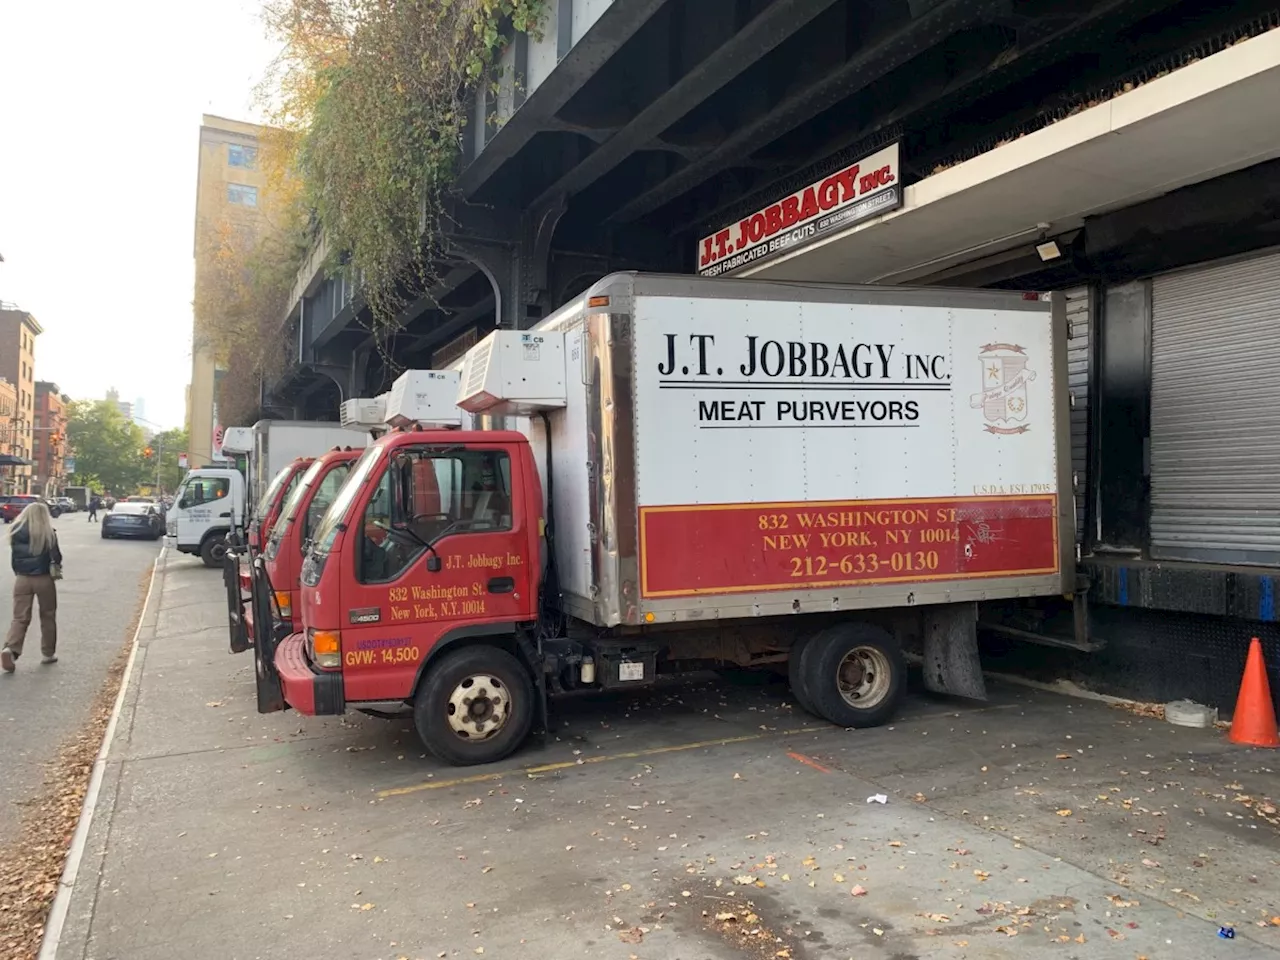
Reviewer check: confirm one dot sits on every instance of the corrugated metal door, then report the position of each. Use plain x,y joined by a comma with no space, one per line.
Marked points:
1215,413
1079,333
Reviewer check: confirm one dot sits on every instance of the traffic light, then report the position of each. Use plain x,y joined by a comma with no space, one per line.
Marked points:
147,452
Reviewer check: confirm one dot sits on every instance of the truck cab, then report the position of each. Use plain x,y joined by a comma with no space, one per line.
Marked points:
432,545
237,574
287,537
206,507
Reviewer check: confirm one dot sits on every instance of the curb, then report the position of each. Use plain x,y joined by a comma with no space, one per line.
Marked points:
75,853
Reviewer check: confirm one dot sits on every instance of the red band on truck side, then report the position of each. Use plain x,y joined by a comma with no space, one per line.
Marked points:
747,547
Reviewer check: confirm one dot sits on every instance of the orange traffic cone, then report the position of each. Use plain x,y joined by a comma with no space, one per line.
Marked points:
1254,722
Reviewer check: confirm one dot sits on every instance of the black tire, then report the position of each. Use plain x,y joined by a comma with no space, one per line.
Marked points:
213,550
105,535
432,708
796,674
870,652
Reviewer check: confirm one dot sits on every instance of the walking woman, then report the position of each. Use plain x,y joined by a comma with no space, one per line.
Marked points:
37,563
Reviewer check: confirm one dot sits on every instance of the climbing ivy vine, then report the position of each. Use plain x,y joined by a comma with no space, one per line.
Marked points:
370,101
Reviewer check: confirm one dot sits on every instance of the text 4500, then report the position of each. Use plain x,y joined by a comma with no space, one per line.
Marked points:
851,564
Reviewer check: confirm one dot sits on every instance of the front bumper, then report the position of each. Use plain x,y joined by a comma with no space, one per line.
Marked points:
316,693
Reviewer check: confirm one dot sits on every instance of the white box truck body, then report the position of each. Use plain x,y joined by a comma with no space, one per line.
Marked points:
738,449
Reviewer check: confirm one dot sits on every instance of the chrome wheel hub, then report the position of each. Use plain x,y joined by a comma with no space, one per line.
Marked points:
863,677
479,707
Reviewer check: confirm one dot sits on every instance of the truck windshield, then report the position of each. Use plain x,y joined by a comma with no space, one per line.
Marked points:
325,489
291,505
341,506
277,482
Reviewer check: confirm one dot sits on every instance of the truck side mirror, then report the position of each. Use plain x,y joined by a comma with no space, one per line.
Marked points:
433,564
183,503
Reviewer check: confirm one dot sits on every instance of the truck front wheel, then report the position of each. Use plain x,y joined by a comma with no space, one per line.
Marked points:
213,550
855,674
475,706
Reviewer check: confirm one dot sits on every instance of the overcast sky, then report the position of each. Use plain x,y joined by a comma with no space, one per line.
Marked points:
100,107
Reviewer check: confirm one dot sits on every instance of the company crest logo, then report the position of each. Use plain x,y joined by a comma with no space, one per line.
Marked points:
1003,399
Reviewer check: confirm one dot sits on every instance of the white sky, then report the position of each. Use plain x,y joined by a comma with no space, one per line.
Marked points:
100,107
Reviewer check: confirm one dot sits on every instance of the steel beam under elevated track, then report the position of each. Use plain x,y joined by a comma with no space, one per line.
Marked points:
1040,43
758,37
863,67
607,35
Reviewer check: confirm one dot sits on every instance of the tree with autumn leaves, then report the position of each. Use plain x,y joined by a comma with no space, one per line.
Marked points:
367,105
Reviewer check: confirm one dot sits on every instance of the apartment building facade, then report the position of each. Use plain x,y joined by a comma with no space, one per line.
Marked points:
18,332
49,443
229,186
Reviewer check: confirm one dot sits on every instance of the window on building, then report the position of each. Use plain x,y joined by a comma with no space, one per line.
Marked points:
240,156
242,194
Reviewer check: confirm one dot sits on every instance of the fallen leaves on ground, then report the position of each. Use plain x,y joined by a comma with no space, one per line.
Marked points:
31,866
858,890
1152,711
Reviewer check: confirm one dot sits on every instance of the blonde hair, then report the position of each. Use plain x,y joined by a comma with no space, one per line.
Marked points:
38,523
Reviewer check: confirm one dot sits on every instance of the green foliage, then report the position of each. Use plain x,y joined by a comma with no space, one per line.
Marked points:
106,446
379,92
90,480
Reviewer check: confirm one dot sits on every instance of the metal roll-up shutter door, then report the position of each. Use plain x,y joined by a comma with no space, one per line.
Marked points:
1215,413
1079,333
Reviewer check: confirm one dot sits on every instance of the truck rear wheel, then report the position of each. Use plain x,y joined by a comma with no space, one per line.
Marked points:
796,674
855,674
475,706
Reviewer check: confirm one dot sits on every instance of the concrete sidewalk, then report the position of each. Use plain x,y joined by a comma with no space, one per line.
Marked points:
695,821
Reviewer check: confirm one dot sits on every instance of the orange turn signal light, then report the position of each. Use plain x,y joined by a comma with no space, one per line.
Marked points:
325,641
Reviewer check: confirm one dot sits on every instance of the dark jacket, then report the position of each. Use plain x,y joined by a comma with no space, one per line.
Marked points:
28,564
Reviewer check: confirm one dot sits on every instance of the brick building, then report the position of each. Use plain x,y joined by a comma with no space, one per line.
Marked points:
8,413
49,442
18,332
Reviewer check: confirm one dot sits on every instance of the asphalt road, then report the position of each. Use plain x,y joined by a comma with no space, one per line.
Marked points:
40,706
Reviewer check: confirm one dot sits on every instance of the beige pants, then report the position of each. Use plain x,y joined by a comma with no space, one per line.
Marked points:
25,592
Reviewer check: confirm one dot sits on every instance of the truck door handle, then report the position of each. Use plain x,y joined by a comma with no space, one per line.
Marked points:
225,513
502,584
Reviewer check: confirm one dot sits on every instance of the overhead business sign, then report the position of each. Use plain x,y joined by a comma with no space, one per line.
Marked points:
862,190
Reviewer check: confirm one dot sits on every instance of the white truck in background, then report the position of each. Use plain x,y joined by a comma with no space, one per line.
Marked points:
212,502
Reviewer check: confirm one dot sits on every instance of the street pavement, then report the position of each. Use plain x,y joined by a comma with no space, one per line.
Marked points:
693,822
41,706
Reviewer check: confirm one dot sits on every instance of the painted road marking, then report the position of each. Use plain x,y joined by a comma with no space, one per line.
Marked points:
606,758
657,751
808,762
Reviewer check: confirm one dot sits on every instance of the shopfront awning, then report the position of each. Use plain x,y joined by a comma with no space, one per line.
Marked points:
9,460
1209,118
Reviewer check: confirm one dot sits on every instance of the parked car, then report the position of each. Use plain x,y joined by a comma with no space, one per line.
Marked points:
133,520
14,504
67,504
55,508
